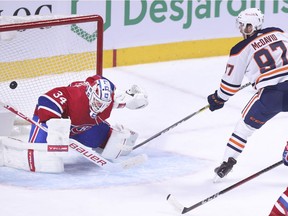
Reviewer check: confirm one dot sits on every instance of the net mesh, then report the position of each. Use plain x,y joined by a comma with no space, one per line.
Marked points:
34,60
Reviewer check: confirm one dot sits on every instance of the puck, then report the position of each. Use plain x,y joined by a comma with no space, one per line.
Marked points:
13,85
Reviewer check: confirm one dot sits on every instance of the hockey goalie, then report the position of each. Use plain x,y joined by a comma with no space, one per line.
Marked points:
78,111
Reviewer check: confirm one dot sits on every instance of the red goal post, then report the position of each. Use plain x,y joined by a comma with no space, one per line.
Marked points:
38,53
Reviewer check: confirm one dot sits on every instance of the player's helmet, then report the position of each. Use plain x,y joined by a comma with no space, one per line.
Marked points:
252,16
99,95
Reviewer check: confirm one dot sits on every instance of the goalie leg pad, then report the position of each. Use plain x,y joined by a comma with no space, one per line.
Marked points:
30,159
116,141
120,143
58,131
7,122
131,140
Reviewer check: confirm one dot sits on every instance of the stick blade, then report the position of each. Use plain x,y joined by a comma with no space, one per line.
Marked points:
134,161
175,203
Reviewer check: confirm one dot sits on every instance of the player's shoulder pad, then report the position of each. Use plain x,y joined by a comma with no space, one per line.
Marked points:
271,29
242,44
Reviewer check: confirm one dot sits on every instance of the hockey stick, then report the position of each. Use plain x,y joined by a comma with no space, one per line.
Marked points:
179,207
170,127
86,152
179,122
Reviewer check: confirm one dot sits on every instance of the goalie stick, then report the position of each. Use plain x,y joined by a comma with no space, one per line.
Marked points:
179,122
181,209
86,152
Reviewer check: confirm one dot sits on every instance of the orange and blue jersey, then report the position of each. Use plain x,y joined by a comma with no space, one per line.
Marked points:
261,58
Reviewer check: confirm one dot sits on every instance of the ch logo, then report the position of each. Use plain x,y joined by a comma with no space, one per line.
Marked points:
79,129
89,37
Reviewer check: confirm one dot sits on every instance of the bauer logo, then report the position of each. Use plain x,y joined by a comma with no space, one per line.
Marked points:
89,155
76,129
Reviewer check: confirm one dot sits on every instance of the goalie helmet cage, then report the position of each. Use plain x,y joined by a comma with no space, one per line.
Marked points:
38,53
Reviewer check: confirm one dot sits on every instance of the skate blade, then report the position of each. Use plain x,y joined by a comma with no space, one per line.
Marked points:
216,179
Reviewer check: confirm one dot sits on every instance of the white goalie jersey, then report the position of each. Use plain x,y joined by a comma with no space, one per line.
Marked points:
262,58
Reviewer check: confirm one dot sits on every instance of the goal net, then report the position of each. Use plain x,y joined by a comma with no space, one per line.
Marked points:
38,53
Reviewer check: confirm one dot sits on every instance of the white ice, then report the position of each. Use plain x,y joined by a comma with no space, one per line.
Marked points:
181,160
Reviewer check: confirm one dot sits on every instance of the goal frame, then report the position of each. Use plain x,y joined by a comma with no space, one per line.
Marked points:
63,21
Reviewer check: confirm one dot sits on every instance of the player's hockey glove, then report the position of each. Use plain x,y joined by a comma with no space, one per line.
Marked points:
215,102
285,155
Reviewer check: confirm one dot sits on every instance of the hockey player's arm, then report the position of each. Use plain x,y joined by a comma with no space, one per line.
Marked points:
230,82
133,98
51,105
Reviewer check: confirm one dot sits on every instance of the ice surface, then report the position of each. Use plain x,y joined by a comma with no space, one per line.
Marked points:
181,161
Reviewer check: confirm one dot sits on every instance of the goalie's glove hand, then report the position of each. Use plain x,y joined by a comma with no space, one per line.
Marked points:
138,98
285,155
135,89
215,102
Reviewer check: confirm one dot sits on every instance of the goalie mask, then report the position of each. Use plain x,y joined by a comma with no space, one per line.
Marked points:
99,96
252,16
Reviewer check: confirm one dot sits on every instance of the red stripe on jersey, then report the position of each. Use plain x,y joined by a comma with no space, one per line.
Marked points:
34,134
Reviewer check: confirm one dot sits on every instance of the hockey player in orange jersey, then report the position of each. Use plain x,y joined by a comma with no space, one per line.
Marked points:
262,57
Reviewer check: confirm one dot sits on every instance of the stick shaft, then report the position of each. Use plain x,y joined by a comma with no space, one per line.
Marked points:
179,122
21,115
187,209
170,127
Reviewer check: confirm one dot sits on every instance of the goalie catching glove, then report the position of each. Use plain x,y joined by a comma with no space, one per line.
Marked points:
133,98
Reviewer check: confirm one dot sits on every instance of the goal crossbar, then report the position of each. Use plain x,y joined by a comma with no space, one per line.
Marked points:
63,21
